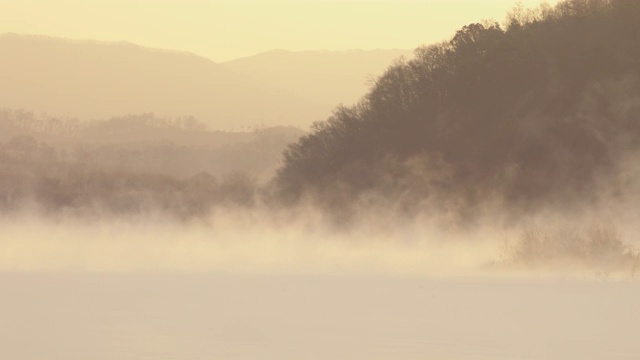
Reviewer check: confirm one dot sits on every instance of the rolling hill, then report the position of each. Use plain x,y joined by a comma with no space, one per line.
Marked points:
96,80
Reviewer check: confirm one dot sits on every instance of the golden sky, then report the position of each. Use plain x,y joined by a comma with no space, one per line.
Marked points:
224,29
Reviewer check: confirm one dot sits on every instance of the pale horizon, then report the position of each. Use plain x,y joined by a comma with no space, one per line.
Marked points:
225,30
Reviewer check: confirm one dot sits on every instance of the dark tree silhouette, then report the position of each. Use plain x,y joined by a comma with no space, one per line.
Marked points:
529,114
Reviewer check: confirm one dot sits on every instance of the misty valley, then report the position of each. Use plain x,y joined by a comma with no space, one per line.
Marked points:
475,198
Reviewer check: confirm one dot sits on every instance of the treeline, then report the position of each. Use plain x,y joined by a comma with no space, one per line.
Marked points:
77,191
530,114
132,164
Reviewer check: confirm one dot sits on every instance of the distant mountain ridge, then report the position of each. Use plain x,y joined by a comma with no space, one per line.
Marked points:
328,77
97,80
89,79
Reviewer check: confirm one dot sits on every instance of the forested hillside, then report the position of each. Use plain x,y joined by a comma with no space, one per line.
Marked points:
541,111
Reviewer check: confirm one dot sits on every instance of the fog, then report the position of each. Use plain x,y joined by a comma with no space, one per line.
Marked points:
242,243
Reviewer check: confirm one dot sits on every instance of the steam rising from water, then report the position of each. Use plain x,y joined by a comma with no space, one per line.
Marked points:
255,242
235,243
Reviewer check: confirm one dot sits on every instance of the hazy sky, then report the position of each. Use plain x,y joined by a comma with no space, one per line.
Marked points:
226,29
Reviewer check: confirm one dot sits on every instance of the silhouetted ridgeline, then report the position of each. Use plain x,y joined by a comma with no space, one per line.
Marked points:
122,78
132,164
533,114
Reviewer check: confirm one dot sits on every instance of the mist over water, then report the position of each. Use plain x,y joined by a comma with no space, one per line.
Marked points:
288,284
307,241
259,285
244,242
